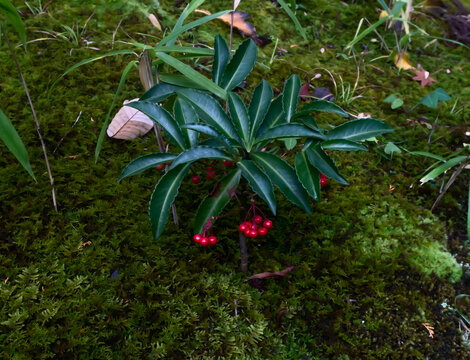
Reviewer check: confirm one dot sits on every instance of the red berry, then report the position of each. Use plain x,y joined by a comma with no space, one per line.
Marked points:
268,224
258,219
197,238
262,231
323,181
210,168
168,163
204,241
254,227
248,224
210,175
159,167
212,240
242,227
196,179
322,176
253,234
228,163
247,232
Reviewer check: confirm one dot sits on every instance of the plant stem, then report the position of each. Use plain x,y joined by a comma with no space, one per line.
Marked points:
38,128
243,254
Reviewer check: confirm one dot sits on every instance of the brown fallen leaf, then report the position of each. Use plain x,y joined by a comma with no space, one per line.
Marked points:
272,275
129,123
423,76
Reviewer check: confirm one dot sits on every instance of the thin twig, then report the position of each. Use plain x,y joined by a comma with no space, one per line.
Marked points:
51,179
231,24
432,132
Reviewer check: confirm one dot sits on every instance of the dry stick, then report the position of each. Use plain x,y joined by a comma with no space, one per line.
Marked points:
231,24
432,132
12,51
158,132
452,179
68,132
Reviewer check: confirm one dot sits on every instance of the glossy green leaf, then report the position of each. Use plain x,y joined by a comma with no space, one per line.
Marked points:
321,106
221,58
442,168
185,114
193,75
215,202
240,118
320,160
124,75
284,177
145,162
240,66
180,81
197,153
163,196
211,131
259,106
14,143
357,130
7,9
344,145
210,111
310,122
290,96
289,130
308,175
259,182
159,92
164,119
294,19
275,116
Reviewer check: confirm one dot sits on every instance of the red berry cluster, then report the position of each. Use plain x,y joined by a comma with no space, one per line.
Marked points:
210,175
161,166
205,239
323,180
258,226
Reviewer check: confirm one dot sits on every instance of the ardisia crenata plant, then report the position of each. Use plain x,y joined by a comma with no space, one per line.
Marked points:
245,137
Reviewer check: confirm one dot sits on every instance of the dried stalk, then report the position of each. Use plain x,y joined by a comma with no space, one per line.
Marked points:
146,77
38,128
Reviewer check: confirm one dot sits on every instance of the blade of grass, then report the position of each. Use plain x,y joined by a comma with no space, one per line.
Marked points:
193,75
366,32
291,14
126,71
89,60
187,10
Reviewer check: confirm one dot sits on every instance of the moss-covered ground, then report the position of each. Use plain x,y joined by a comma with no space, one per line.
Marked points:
372,262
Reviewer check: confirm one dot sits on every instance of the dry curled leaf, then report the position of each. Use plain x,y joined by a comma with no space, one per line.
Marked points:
244,27
129,123
272,275
402,61
84,244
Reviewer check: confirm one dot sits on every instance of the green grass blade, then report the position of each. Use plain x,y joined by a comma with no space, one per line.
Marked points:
366,32
89,60
126,71
7,8
174,35
443,167
193,75
291,14
14,143
193,5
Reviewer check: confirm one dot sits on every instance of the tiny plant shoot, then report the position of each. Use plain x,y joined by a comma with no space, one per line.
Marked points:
245,138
